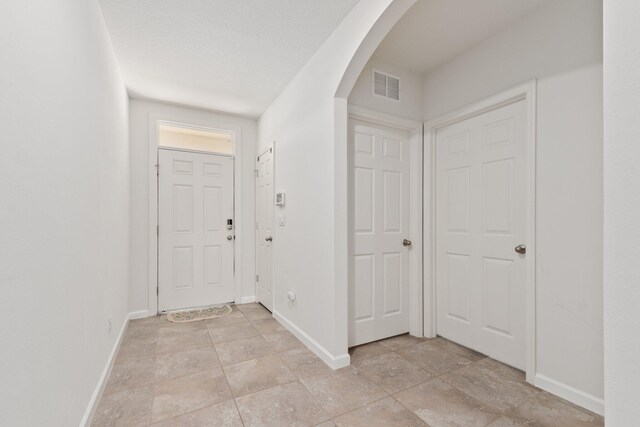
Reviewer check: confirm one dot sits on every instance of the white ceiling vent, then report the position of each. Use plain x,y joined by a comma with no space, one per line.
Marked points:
386,85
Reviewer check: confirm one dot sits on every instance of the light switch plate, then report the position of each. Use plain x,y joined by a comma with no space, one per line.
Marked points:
281,220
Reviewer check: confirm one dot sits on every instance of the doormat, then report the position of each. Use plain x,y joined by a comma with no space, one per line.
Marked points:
182,316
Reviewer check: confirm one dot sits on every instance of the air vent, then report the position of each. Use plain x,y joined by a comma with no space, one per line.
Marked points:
386,85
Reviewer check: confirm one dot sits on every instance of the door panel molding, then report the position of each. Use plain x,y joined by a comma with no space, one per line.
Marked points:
527,93
415,155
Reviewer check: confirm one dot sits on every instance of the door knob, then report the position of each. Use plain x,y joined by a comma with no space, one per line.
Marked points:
268,239
406,242
229,237
521,249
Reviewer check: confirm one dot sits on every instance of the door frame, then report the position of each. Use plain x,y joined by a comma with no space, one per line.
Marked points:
155,120
526,92
271,147
415,209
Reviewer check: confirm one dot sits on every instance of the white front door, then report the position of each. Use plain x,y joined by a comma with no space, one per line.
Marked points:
195,248
480,218
379,223
264,225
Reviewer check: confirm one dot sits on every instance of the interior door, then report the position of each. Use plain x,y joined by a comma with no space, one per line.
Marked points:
379,225
195,246
480,220
264,228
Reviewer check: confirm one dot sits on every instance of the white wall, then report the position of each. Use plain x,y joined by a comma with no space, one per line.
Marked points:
410,105
64,186
310,166
561,46
622,211
140,113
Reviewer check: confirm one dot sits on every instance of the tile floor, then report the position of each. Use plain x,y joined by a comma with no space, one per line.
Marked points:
246,369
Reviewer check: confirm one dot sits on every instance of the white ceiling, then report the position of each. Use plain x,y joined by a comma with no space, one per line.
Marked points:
436,31
228,55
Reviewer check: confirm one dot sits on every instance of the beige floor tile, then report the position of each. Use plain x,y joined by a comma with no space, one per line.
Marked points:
181,363
177,396
147,334
131,373
170,340
400,341
134,349
146,322
548,410
283,341
454,348
257,374
391,372
268,326
502,369
223,414
506,421
487,386
386,412
440,404
367,350
304,363
232,332
254,311
342,391
124,408
243,349
168,327
433,358
235,316
328,423
285,405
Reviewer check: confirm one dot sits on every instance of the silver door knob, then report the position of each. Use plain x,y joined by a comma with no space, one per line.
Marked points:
521,249
229,237
268,239
406,242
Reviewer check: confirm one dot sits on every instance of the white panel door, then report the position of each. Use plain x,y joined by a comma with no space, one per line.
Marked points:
264,228
379,222
195,248
480,219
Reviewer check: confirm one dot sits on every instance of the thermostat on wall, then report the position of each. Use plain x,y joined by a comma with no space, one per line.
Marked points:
280,199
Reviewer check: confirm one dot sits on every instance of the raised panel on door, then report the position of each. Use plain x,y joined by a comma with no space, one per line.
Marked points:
479,218
379,221
195,257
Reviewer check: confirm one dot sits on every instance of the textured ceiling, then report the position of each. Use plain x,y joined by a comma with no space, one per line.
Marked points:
228,55
435,31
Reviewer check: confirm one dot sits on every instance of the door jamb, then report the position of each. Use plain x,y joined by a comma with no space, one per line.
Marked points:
155,119
526,92
416,215
271,147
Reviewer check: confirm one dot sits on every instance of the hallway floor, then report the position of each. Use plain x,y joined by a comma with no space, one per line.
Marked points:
246,369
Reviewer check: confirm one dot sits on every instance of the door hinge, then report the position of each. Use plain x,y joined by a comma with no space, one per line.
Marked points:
158,290
157,230
157,169
257,278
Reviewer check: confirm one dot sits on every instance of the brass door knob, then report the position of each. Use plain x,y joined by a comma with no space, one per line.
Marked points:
406,242
521,249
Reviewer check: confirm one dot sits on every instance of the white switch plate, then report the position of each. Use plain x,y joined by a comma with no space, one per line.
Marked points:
281,220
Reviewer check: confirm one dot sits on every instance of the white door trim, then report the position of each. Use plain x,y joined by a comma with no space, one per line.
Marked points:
271,147
155,119
415,211
526,92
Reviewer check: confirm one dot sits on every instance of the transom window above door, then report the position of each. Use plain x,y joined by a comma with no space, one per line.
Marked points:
193,139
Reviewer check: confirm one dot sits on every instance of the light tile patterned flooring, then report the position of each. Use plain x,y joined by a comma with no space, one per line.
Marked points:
246,369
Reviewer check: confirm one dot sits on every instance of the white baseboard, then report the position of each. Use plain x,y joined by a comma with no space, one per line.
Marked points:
580,398
334,362
247,300
97,393
140,314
